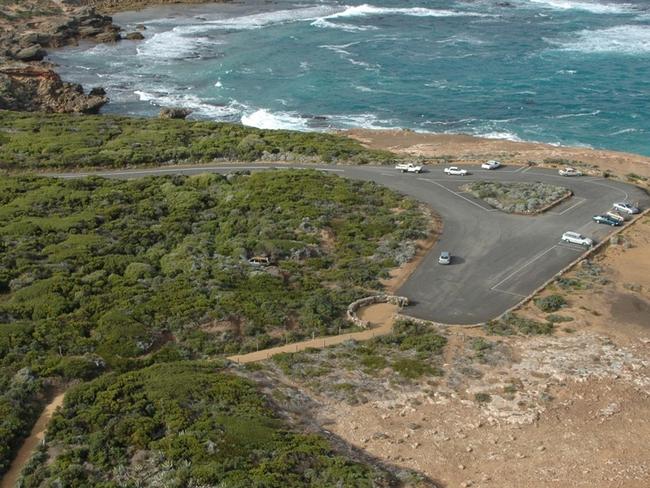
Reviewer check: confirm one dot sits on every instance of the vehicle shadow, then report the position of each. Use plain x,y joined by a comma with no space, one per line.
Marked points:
456,260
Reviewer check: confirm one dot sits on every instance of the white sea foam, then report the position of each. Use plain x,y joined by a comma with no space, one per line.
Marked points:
340,49
256,21
623,39
496,134
579,114
624,131
264,119
323,23
587,6
366,10
193,102
178,43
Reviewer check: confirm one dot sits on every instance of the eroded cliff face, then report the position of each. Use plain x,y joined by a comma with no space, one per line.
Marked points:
26,87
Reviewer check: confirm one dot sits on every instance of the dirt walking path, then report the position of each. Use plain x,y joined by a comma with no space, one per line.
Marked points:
36,436
379,315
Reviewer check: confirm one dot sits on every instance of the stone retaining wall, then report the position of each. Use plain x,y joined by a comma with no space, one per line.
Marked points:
364,302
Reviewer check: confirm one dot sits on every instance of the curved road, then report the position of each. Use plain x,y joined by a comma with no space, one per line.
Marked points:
499,258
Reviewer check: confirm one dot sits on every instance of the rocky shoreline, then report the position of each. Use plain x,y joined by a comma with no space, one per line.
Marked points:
28,28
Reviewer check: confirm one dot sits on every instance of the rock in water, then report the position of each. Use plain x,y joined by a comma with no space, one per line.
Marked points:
174,113
134,36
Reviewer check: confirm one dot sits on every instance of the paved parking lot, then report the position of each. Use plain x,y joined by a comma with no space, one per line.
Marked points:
498,258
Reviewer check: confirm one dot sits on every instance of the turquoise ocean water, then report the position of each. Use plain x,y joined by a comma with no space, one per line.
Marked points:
559,71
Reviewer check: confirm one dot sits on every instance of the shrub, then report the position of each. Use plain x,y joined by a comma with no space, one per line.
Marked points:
550,303
517,197
483,397
512,324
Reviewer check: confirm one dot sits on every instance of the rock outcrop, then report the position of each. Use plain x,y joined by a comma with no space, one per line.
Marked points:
27,43
28,87
174,113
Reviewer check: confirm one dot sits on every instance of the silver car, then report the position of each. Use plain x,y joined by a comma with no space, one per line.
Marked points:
445,258
627,208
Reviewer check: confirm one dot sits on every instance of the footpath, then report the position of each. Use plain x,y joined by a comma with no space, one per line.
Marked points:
380,315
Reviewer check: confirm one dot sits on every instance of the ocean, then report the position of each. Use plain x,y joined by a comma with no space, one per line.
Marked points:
557,71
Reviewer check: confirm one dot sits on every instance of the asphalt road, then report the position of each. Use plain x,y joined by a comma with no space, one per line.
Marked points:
498,258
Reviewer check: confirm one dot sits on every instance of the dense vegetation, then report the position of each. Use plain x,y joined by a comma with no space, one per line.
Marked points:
517,197
100,274
46,141
186,424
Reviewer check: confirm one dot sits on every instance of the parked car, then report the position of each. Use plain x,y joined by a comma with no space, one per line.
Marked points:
445,258
616,216
408,168
455,170
625,207
492,164
575,238
604,219
569,172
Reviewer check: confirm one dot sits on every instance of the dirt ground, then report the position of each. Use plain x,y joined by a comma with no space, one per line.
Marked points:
570,409
29,445
463,148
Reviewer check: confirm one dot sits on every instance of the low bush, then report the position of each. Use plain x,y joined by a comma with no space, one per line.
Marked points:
550,303
513,324
32,140
189,424
517,197
483,397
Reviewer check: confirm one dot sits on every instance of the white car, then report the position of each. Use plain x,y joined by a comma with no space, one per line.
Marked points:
492,164
455,170
408,168
444,258
569,172
625,207
575,238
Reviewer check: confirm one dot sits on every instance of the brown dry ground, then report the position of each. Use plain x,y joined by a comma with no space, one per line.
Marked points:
570,409
468,149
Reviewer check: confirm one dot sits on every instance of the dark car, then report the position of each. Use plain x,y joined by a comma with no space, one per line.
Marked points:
604,219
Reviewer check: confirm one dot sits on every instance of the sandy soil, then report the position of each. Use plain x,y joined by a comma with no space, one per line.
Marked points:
35,437
462,148
571,409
